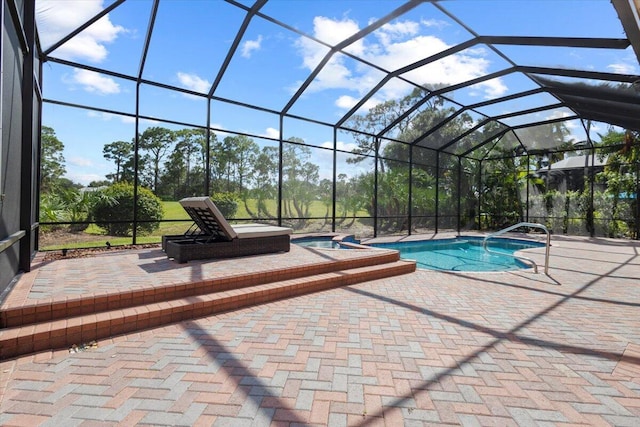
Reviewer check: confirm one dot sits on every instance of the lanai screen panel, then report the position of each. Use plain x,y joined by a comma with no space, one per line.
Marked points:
340,83
189,45
538,116
421,32
88,88
450,133
549,136
405,121
311,133
475,139
522,103
434,45
391,125
114,42
501,146
183,108
244,119
507,85
571,58
535,18
439,113
329,22
462,66
454,81
268,55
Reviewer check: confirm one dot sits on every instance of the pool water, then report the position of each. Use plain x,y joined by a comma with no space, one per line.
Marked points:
463,253
317,242
325,242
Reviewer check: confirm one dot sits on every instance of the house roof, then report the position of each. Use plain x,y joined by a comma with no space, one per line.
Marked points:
575,162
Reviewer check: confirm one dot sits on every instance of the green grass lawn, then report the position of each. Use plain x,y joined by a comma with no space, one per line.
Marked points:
94,236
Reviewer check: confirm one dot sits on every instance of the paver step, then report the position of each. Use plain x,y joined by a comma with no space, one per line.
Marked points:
63,333
87,304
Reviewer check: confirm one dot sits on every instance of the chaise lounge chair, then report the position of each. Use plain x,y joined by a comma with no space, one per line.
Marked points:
216,238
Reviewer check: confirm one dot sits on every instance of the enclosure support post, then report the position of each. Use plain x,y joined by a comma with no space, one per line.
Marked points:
637,200
335,177
136,164
527,182
280,164
27,197
437,190
375,188
410,201
590,220
207,173
136,149
480,196
459,191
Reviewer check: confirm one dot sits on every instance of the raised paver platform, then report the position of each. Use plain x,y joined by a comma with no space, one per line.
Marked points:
144,298
426,348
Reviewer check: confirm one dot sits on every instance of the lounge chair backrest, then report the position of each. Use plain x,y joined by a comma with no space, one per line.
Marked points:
208,218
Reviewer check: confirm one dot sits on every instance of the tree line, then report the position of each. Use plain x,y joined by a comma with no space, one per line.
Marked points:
174,164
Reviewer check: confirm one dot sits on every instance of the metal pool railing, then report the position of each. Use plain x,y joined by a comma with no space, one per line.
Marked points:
518,225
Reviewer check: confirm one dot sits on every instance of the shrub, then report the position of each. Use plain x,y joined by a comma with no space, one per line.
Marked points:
227,203
114,211
52,209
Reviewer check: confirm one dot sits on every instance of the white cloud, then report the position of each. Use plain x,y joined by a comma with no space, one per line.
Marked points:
80,161
335,74
396,45
436,23
397,31
92,82
56,19
272,133
558,114
344,146
347,102
84,178
312,52
332,31
492,89
194,82
250,45
452,69
100,115
122,118
622,68
404,52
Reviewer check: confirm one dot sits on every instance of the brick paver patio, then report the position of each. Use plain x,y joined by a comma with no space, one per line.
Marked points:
427,348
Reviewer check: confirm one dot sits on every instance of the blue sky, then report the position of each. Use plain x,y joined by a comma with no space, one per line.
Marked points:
191,39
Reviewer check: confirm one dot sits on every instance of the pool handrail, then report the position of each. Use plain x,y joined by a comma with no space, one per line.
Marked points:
518,225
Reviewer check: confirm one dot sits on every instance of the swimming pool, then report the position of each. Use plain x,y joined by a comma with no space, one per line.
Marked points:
463,253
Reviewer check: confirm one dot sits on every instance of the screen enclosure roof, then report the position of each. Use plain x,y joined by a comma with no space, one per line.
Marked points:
517,71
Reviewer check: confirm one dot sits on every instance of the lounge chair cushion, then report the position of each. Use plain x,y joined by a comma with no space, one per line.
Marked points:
260,230
208,218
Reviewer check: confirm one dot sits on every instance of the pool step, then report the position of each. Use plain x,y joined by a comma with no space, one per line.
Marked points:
62,333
